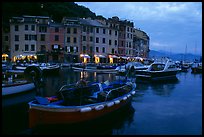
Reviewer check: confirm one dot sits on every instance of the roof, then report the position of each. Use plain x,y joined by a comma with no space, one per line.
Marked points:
91,22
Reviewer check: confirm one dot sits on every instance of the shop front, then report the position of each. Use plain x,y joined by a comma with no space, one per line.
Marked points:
5,57
85,58
100,59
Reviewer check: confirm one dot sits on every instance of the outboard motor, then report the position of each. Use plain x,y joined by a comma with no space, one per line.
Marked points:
34,74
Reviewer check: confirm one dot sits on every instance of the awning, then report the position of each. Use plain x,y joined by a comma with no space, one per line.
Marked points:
113,56
138,58
4,55
24,54
124,57
100,56
85,56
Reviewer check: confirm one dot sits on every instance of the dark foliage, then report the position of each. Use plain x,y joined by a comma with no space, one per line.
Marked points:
56,10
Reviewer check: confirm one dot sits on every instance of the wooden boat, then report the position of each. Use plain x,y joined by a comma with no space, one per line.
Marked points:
79,104
16,87
163,69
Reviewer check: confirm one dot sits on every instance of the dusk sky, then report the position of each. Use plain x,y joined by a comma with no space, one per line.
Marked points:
170,25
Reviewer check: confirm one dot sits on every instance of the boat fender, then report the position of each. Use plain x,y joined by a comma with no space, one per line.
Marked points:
128,95
85,109
99,107
133,92
117,101
110,104
124,98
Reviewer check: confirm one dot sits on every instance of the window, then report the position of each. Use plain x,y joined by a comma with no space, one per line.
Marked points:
75,40
84,38
16,47
32,47
6,38
16,27
84,28
112,51
91,38
56,37
97,40
26,36
68,30
71,49
42,37
42,29
109,42
91,29
33,27
32,37
97,30
75,30
84,49
103,50
104,31
16,38
116,43
56,29
68,39
97,49
110,32
104,40
116,33
42,48
26,48
26,27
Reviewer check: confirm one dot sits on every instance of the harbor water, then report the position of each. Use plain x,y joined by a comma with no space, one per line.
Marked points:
164,108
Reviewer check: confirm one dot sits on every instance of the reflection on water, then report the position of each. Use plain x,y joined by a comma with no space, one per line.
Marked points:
157,108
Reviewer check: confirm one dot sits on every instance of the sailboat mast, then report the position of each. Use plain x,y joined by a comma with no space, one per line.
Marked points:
185,53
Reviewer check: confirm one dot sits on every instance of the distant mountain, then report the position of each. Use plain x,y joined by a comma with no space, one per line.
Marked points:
174,56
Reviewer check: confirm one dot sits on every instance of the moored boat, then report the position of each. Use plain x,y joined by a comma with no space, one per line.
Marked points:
79,103
130,66
163,69
16,87
196,67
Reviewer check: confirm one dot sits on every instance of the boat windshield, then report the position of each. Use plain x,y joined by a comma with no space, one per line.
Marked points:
157,67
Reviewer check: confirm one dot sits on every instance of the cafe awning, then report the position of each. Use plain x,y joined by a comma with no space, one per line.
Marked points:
85,56
113,56
100,56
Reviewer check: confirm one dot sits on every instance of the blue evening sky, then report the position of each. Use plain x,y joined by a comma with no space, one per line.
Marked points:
170,25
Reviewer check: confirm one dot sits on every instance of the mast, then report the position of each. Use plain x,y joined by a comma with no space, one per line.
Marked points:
185,53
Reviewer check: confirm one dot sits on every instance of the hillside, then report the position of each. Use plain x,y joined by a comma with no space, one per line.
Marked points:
56,10
174,56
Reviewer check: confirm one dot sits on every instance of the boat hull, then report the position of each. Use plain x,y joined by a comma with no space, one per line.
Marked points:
17,88
196,70
153,76
67,115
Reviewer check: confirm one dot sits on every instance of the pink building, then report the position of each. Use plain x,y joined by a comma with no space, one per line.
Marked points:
56,42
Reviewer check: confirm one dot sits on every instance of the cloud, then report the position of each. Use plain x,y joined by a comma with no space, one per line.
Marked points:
168,24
